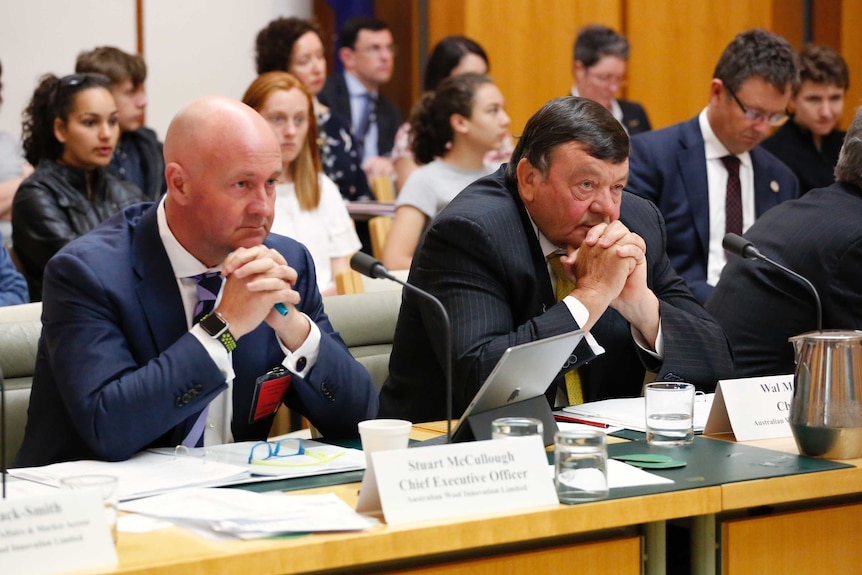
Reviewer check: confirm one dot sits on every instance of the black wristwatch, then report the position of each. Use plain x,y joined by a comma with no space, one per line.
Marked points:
217,327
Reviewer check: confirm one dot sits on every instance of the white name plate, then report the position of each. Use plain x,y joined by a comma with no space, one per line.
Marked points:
752,407
444,481
54,533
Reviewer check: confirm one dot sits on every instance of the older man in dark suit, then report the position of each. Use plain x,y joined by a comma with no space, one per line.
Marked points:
819,236
554,224
159,327
706,175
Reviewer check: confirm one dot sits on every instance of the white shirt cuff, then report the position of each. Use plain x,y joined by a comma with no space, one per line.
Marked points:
301,361
642,343
581,315
216,350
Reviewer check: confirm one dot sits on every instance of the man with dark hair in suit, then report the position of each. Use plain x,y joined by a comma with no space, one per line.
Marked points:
159,324
367,52
599,60
707,175
138,157
819,236
548,244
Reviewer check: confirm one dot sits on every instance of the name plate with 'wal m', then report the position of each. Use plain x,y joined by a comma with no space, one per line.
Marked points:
454,480
752,407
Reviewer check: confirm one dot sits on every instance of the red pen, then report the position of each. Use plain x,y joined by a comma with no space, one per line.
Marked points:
570,419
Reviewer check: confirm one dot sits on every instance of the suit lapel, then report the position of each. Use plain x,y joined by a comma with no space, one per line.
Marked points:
547,298
157,288
765,196
692,166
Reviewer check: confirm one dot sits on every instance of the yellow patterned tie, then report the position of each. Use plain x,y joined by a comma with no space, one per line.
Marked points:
574,389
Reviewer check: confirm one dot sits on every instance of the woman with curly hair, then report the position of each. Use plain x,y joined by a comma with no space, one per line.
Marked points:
70,131
452,130
295,45
308,206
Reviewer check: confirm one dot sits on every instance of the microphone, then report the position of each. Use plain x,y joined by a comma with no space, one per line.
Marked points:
374,268
738,245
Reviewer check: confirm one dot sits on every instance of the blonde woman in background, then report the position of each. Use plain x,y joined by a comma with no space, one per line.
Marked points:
308,205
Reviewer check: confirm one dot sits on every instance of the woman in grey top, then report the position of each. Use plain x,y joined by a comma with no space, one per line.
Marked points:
452,130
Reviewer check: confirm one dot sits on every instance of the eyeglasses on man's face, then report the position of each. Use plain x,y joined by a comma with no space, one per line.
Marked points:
754,116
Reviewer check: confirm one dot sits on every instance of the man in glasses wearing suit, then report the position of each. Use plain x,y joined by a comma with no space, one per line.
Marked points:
707,175
159,325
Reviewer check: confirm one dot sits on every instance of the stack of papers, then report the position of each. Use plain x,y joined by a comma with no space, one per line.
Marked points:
157,471
630,412
216,513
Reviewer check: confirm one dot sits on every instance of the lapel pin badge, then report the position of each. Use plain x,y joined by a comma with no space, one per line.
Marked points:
773,185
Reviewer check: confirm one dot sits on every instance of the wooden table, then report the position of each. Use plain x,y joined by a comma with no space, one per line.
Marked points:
793,524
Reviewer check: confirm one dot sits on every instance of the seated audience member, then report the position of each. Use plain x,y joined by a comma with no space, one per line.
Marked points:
453,129
809,143
308,206
817,236
451,56
707,175
13,286
138,157
555,220
296,46
70,131
367,52
13,169
158,323
599,61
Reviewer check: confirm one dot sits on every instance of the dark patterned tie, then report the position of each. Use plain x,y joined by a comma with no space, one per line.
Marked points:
733,202
208,285
365,120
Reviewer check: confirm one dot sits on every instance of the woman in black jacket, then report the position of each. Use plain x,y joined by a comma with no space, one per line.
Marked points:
70,132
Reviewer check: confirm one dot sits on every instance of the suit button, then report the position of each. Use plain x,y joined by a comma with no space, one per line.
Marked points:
327,393
179,402
198,388
301,363
187,397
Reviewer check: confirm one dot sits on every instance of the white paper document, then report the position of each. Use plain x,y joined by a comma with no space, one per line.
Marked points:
248,515
629,412
157,471
624,475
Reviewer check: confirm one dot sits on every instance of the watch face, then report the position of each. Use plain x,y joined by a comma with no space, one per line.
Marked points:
214,325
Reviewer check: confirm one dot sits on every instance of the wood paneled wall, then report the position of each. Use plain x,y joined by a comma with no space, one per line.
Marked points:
675,44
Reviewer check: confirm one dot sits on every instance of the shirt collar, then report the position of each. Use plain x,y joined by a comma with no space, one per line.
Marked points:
354,87
713,147
183,263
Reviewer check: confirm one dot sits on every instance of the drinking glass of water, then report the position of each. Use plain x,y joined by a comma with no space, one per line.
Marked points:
669,413
580,465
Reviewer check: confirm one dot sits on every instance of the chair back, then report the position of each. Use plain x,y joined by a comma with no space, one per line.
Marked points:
379,228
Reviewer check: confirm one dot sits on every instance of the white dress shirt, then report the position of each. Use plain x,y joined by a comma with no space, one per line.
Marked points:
716,175
220,410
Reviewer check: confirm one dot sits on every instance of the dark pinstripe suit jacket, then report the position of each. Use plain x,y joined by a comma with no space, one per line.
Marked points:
481,257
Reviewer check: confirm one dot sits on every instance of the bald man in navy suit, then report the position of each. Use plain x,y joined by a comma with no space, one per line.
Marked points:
122,365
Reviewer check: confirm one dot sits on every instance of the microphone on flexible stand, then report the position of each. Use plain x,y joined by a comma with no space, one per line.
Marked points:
740,246
374,268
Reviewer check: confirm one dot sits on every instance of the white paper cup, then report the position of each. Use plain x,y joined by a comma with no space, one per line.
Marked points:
383,434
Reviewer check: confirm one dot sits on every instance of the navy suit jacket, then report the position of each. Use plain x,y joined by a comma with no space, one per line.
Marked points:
118,371
668,167
482,259
335,95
